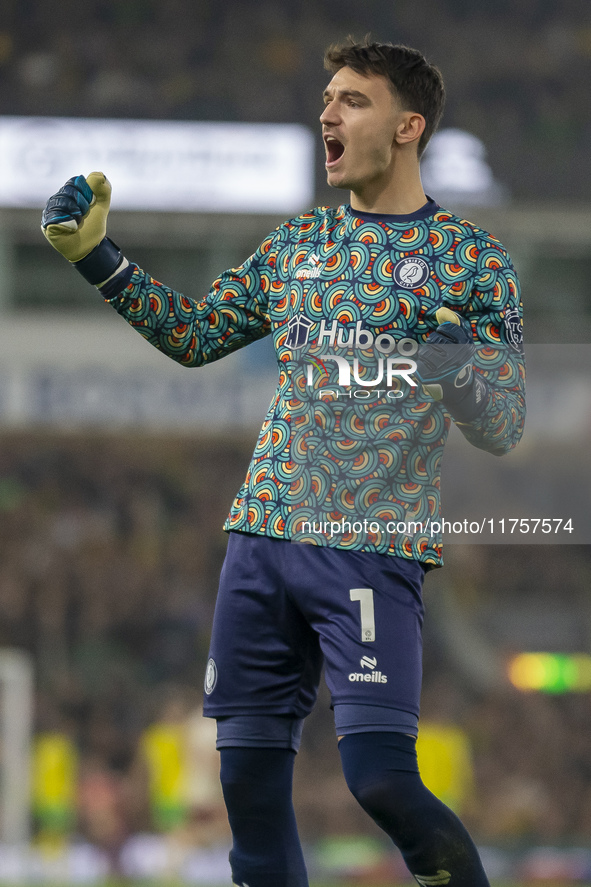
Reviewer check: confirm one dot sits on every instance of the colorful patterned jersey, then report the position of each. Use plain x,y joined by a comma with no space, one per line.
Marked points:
350,449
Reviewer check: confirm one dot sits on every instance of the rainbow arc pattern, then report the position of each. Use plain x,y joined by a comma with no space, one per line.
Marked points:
322,461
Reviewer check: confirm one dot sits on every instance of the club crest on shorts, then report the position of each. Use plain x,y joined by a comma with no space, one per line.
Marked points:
411,273
211,677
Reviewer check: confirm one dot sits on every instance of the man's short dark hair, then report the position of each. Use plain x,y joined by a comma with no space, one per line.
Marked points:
417,83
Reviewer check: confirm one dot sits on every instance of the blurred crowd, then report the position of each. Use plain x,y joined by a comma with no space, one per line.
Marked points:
109,555
110,549
516,73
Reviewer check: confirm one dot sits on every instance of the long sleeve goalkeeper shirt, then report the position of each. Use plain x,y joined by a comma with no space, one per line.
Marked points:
349,452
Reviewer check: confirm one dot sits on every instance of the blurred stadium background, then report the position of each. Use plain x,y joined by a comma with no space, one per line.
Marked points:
117,467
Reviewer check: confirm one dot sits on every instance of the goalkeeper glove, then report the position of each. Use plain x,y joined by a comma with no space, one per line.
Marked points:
75,223
445,367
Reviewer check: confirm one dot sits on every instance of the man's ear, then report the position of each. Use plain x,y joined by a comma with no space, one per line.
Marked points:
410,128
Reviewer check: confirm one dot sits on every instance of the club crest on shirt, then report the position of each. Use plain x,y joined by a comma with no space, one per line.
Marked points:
411,273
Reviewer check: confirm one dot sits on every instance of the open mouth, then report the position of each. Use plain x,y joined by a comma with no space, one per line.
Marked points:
334,150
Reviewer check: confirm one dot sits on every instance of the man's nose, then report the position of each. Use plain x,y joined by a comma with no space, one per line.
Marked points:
329,115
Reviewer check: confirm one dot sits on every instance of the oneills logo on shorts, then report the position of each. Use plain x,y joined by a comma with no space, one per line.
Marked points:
373,676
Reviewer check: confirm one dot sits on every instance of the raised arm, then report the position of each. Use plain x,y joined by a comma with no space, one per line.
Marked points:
234,312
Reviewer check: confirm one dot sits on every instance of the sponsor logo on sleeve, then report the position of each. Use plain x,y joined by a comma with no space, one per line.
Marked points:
513,328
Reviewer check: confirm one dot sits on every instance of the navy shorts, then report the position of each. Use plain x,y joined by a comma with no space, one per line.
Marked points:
285,609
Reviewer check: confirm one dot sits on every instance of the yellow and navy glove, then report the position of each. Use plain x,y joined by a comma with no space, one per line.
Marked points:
75,223
445,367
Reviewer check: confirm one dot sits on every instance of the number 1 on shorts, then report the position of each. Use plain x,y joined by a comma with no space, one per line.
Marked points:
368,622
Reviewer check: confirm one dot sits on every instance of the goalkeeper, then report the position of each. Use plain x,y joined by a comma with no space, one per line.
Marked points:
389,267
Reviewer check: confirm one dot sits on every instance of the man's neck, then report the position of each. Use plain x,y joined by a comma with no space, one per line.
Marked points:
401,194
